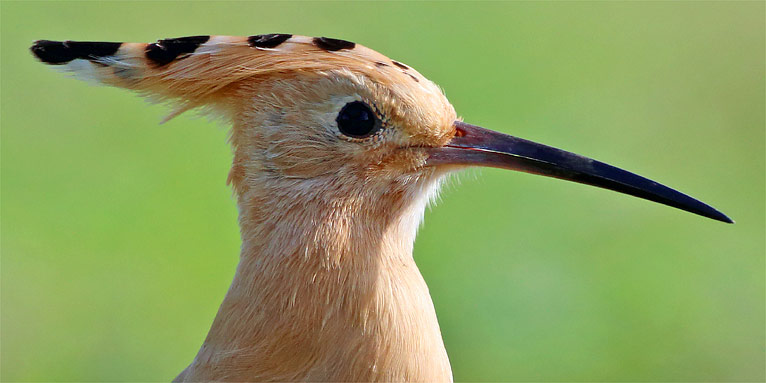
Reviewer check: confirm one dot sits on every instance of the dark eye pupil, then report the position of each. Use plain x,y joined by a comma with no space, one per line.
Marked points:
357,120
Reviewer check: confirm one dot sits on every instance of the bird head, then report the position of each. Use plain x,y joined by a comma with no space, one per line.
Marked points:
330,120
356,126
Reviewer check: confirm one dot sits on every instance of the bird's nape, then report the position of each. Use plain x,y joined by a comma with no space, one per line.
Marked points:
476,146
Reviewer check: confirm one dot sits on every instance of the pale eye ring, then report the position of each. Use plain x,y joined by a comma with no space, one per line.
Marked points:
357,120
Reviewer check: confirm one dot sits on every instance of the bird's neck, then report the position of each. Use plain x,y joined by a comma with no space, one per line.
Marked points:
326,289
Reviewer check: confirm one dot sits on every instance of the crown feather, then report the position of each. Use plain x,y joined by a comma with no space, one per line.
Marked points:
197,70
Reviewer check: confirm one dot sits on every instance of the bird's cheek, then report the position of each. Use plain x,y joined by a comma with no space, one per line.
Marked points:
397,161
303,162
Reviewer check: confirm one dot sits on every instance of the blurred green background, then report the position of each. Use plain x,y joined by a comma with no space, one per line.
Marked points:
119,236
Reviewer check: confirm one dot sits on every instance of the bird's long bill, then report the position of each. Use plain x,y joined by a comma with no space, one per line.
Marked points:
473,145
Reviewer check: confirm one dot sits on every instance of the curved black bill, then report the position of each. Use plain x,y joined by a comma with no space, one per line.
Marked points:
473,145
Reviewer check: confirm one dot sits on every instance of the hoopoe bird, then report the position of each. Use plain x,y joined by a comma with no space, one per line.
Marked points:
337,150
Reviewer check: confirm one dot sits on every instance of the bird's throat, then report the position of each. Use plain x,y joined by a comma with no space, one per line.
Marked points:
325,291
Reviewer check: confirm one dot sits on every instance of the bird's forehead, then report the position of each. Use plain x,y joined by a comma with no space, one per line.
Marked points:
407,98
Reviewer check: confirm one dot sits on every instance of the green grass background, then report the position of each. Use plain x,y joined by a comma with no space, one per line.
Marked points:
119,236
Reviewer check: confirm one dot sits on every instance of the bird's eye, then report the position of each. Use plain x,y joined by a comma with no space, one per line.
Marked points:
357,120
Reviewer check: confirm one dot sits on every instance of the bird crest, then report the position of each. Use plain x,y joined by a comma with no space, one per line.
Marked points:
194,70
